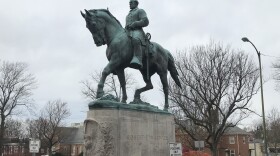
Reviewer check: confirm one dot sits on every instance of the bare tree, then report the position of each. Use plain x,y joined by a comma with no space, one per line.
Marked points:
217,85
257,129
16,85
273,128
34,128
112,85
193,131
47,127
14,128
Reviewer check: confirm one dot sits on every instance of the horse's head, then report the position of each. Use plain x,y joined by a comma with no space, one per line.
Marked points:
96,25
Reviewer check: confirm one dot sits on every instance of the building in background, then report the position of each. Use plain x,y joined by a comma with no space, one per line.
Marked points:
77,125
256,147
234,142
73,142
19,147
15,146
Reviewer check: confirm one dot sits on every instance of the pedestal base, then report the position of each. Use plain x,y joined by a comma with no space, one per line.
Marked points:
116,129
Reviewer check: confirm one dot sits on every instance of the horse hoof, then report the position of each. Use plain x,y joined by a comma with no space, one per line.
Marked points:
165,109
136,96
99,95
137,100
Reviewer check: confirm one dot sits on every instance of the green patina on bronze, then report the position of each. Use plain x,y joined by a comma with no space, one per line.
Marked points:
110,102
127,47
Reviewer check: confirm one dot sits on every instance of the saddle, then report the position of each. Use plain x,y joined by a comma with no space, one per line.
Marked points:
147,45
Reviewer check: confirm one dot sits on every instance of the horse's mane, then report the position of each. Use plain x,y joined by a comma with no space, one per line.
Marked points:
109,13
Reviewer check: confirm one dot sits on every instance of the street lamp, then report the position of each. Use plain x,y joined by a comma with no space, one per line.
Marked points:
245,39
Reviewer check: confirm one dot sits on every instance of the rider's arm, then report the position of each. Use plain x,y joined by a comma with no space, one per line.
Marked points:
143,22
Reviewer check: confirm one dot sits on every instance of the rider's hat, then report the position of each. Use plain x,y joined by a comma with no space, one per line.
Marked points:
133,0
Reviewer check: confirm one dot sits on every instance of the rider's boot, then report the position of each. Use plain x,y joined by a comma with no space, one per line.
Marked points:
136,61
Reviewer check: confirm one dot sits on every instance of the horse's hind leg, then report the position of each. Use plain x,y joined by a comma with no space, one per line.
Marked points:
148,86
164,81
121,77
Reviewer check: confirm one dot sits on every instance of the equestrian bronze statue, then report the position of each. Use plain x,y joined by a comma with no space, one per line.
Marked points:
106,29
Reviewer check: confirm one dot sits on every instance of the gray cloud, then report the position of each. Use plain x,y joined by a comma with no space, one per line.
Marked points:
51,37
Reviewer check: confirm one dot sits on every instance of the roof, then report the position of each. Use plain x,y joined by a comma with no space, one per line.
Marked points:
235,130
72,135
14,141
257,141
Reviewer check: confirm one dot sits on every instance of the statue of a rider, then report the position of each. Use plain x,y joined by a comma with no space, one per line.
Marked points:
135,21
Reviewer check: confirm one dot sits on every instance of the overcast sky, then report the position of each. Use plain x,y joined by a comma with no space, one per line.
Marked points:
52,38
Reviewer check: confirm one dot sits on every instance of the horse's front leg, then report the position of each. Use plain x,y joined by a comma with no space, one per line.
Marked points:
106,71
121,76
100,86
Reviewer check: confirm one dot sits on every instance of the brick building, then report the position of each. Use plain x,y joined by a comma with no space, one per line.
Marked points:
70,145
19,147
73,142
14,146
234,142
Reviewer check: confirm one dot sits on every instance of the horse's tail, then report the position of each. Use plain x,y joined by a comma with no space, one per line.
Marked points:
172,69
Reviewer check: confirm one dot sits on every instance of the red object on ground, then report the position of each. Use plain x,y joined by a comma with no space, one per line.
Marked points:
195,153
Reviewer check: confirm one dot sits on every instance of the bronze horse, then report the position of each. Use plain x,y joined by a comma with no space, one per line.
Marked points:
106,29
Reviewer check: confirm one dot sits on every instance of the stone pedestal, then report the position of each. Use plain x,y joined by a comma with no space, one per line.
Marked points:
117,129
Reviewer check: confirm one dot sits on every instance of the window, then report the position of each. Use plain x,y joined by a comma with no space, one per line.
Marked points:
244,140
11,149
231,153
5,150
15,149
74,149
250,139
81,149
231,140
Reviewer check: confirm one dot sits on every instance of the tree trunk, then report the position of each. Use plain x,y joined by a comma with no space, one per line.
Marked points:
214,150
50,151
275,147
2,132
